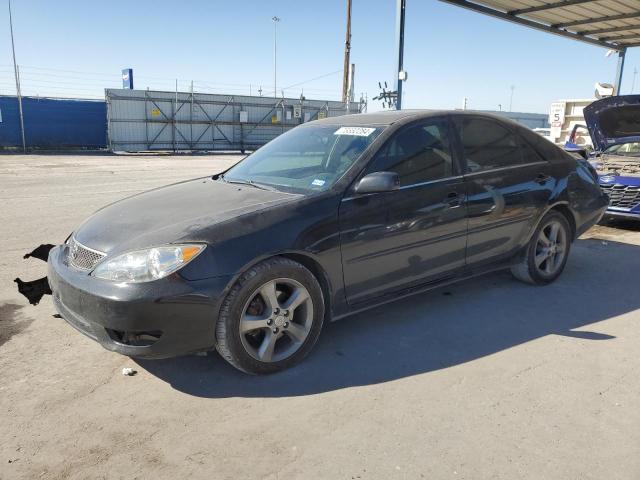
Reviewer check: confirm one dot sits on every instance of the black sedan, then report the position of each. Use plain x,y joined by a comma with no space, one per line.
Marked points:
331,218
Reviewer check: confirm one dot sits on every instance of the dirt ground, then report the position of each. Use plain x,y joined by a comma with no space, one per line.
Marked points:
488,379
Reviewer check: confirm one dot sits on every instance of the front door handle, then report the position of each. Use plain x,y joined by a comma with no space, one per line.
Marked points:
542,178
453,200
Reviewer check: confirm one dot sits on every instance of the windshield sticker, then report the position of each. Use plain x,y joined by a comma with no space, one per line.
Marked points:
318,183
355,131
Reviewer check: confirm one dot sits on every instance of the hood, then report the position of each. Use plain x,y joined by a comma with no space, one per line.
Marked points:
613,121
173,213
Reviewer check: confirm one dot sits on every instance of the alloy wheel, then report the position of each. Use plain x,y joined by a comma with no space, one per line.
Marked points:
276,320
551,248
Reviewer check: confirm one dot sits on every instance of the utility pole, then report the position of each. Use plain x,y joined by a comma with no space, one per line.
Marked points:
401,75
275,56
347,54
352,83
633,85
17,75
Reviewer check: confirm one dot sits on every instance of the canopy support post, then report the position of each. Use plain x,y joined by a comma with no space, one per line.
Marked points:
399,74
620,70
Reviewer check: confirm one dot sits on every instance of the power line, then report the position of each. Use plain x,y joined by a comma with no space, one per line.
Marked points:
312,79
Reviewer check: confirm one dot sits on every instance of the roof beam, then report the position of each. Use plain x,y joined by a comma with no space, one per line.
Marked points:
531,24
608,30
621,37
587,21
548,6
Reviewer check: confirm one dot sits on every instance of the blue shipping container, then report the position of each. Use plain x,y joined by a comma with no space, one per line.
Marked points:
54,123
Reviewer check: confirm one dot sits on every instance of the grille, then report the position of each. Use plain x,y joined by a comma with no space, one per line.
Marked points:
82,257
622,196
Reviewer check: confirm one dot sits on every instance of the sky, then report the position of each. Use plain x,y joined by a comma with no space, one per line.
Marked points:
77,48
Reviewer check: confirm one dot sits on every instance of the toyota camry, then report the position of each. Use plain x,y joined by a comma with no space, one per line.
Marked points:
331,218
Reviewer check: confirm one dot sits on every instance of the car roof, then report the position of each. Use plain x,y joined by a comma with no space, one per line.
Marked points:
389,117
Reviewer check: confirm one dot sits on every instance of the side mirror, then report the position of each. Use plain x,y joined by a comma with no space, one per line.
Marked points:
378,182
572,148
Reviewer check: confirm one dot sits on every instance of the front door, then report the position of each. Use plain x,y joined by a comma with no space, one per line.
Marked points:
416,234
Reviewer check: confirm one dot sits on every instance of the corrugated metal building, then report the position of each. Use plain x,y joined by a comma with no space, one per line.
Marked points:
142,120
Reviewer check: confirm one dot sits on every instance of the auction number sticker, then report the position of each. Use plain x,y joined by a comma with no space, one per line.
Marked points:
355,131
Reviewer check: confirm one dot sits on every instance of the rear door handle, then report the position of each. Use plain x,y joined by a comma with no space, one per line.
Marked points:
453,200
542,178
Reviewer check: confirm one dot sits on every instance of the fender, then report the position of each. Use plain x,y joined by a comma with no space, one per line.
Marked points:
539,219
325,280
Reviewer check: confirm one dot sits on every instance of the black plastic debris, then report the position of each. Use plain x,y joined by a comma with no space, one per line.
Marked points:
35,290
41,252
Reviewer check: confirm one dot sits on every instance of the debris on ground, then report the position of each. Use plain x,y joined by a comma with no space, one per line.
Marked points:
128,372
41,252
35,290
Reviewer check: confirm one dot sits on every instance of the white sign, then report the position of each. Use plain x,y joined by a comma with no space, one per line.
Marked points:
355,131
297,111
244,116
556,118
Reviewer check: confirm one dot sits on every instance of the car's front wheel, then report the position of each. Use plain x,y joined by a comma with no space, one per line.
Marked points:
271,318
546,254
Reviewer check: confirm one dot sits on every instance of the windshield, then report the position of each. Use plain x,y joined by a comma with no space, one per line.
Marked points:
309,158
630,149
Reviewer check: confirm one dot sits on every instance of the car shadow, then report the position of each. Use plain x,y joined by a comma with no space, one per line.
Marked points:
436,330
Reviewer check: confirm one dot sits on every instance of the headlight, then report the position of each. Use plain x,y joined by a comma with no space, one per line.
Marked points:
147,265
597,164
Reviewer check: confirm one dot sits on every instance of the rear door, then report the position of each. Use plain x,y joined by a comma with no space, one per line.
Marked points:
394,240
508,186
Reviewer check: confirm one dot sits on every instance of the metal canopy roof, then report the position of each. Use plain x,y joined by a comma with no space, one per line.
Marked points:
613,24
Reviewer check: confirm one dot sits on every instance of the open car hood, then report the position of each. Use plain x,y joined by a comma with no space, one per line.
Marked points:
613,121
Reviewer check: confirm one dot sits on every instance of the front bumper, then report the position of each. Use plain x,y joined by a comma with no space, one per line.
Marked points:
158,319
629,215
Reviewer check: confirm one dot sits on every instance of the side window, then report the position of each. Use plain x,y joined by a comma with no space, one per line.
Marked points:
417,153
547,150
487,144
529,154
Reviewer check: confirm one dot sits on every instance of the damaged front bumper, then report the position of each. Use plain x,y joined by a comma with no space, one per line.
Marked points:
158,319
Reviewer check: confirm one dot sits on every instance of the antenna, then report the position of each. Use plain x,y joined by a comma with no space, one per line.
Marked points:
388,98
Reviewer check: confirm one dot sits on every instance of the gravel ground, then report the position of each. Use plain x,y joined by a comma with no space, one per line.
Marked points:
487,379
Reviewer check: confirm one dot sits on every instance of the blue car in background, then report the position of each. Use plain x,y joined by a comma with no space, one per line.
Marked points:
614,126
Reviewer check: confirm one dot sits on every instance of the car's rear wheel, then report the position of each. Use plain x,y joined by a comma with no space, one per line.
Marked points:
271,318
546,254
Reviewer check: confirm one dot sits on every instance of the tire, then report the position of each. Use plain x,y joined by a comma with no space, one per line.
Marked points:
544,258
279,306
